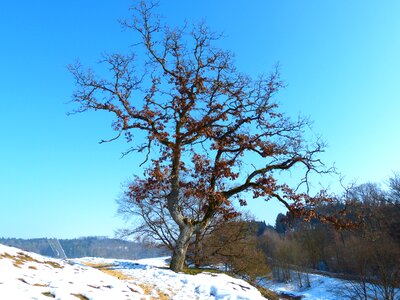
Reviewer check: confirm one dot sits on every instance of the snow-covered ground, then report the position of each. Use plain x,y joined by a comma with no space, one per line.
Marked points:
25,275
324,288
321,288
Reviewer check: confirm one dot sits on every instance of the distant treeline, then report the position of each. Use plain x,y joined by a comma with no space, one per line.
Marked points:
89,247
367,255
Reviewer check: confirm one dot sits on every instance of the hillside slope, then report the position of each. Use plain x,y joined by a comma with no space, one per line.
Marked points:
25,275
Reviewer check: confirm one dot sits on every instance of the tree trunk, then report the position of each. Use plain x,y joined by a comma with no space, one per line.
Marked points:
181,247
197,259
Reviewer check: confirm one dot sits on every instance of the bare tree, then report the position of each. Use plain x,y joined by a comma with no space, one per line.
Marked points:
234,244
153,220
151,217
203,121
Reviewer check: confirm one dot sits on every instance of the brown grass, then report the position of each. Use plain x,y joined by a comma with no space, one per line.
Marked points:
195,271
147,289
53,264
6,255
98,266
22,258
107,268
80,296
41,285
115,273
48,294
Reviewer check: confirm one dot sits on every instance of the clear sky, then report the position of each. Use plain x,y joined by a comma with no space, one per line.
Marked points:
340,59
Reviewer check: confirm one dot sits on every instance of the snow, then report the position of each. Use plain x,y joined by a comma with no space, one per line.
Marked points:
179,286
321,288
25,275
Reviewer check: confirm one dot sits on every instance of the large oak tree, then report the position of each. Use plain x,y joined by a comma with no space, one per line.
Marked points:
212,133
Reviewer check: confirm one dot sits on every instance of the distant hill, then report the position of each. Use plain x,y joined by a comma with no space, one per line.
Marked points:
88,247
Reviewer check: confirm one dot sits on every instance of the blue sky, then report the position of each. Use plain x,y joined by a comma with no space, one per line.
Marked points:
340,60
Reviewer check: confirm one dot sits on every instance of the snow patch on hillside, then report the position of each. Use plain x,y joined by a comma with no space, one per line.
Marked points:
26,275
154,272
322,288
